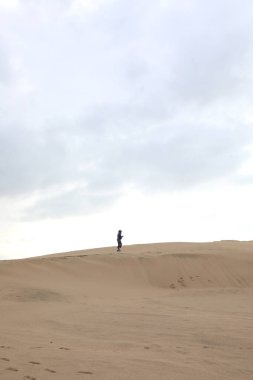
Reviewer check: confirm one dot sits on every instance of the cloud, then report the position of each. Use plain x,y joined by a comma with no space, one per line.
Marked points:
84,6
75,173
5,72
9,5
69,202
132,93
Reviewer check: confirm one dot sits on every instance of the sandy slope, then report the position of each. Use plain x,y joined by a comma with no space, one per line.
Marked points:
158,311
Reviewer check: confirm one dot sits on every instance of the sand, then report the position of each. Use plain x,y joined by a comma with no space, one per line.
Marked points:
179,311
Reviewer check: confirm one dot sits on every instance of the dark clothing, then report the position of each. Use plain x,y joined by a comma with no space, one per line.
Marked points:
119,244
119,237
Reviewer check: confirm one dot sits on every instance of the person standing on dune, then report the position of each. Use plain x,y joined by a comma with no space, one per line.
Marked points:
119,238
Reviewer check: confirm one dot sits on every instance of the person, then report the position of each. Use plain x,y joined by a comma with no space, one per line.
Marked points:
119,237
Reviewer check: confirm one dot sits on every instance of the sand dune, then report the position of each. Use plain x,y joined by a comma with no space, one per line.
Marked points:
156,311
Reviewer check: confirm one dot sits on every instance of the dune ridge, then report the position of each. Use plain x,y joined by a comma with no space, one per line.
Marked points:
201,265
155,311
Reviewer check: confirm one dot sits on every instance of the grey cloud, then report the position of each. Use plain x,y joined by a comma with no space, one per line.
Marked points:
175,157
198,54
38,159
75,202
126,96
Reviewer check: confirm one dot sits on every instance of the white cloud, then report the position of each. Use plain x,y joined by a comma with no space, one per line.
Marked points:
9,5
248,117
86,6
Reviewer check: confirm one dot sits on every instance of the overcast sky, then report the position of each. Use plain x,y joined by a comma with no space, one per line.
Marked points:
124,114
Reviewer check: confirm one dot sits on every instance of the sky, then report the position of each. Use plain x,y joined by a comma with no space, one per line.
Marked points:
124,114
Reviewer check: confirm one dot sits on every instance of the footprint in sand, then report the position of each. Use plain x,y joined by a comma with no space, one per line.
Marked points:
172,286
181,281
29,378
5,359
64,348
12,369
85,372
183,352
36,363
50,370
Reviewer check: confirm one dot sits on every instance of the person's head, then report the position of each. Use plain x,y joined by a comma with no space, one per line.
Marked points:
120,231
